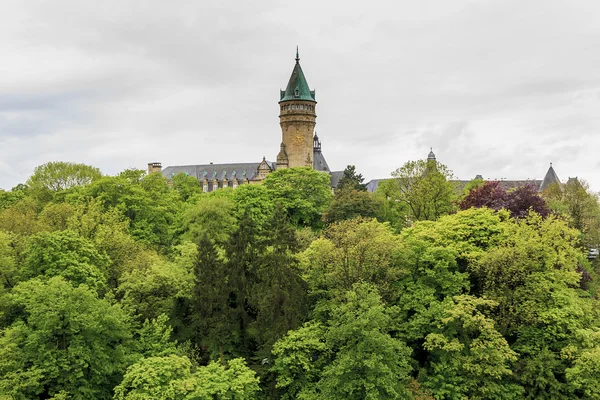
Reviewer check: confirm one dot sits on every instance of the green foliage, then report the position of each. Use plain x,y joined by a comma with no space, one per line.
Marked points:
8,199
187,186
147,202
424,187
393,211
64,338
302,192
351,180
98,280
8,264
22,218
352,251
52,177
469,357
172,378
580,206
212,217
279,293
351,355
351,203
150,292
65,254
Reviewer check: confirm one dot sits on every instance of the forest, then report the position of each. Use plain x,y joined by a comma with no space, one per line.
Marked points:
135,287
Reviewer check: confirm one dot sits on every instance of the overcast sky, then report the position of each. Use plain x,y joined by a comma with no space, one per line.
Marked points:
498,88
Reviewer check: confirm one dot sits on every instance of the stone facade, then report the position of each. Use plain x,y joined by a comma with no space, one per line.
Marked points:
297,120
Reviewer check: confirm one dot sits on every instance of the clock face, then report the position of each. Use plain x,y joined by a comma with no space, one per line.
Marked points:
297,139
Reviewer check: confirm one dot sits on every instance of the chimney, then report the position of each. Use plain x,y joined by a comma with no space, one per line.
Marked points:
154,167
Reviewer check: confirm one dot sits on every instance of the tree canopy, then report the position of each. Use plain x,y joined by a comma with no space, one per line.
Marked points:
138,287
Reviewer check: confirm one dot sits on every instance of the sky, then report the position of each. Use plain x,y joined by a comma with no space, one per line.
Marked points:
500,88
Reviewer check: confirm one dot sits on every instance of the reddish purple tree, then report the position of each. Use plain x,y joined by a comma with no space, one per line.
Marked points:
523,199
518,201
490,195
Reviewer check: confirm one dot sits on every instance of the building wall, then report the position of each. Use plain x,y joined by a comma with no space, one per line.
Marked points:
297,120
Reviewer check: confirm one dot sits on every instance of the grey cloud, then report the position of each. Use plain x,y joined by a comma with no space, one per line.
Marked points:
493,90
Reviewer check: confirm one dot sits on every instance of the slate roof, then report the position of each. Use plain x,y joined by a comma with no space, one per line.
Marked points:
297,87
373,184
319,162
549,179
219,171
335,177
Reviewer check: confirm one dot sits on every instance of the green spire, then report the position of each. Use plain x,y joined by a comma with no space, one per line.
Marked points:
297,87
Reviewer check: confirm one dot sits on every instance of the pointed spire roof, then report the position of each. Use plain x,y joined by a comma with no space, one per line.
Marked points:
549,179
297,87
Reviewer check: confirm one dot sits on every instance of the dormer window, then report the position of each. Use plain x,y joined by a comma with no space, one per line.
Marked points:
297,93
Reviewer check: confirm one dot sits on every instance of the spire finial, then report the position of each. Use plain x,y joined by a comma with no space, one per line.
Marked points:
297,55
550,164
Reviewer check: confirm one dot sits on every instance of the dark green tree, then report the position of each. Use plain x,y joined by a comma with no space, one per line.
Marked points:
351,180
279,293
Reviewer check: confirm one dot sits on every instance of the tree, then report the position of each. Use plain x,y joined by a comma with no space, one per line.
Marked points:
533,276
351,180
469,357
424,187
210,321
211,217
523,199
393,211
303,192
187,186
146,201
152,291
349,355
64,339
580,206
8,263
352,251
490,194
519,201
17,193
56,176
22,218
350,203
65,254
171,378
279,293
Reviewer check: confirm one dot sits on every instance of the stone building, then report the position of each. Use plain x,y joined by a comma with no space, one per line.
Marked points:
300,146
541,184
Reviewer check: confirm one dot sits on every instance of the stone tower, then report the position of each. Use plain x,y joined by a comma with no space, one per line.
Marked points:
297,119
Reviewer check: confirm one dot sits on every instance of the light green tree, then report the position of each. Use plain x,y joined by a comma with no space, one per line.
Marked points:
65,254
303,192
358,250
52,177
172,378
424,187
63,339
349,355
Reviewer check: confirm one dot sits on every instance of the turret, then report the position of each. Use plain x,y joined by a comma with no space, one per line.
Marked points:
297,119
